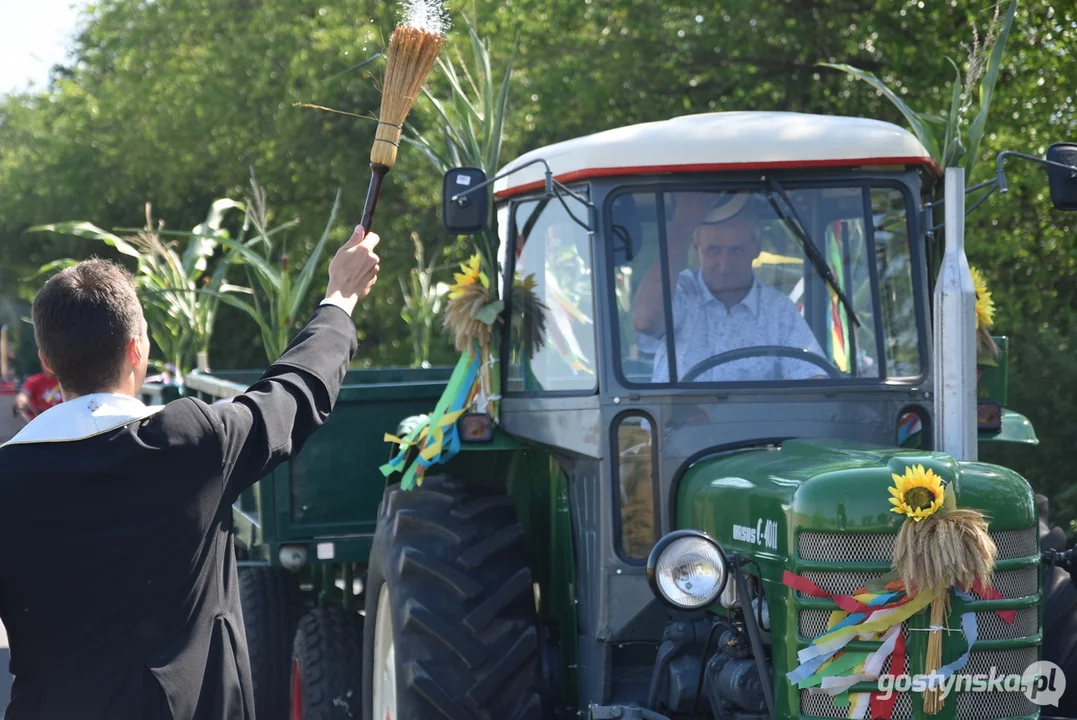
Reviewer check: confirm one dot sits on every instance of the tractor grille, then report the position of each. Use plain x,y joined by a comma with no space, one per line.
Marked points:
856,548
1018,583
990,626
819,705
970,705
993,705
875,547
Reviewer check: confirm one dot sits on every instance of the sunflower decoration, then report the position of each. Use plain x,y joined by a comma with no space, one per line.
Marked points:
471,310
917,494
985,316
939,548
470,277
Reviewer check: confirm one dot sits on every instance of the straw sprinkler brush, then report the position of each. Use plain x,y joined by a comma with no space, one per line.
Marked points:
413,49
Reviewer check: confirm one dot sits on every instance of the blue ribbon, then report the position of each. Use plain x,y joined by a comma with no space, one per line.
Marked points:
970,630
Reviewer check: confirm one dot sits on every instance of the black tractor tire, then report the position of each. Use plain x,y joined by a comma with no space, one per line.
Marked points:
327,671
1059,613
272,606
465,629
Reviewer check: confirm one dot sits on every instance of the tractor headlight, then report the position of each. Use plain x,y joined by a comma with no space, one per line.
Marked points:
687,569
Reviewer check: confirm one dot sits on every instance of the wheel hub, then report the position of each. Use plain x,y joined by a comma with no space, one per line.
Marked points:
384,670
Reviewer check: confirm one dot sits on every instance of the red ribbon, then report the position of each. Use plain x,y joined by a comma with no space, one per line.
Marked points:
989,593
845,602
883,709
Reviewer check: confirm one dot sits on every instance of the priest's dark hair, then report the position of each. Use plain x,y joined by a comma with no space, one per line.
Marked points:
84,316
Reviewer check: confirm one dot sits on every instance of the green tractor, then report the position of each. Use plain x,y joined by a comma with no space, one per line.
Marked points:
750,323
738,356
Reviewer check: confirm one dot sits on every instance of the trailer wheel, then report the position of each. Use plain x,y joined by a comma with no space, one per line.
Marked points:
327,674
451,600
271,608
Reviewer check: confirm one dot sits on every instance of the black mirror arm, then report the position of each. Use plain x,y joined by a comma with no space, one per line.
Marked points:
590,206
552,185
1000,174
999,181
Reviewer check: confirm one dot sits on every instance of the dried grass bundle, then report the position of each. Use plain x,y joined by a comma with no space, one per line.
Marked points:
412,53
945,549
460,318
940,610
414,47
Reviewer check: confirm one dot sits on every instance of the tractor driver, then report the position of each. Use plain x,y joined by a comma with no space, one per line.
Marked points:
720,305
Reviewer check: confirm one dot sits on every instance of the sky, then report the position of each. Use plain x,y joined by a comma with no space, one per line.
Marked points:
34,36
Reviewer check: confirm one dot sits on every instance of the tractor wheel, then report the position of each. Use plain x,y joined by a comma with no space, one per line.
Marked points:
1059,612
271,608
326,665
449,594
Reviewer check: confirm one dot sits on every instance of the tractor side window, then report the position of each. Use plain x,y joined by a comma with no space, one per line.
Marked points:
635,484
896,295
636,254
552,338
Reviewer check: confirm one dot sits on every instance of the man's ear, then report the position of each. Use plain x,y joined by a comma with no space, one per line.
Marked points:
133,352
44,363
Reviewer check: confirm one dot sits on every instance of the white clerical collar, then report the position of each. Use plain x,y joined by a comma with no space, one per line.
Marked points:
83,417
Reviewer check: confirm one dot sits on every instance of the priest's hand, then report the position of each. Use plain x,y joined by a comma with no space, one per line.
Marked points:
354,270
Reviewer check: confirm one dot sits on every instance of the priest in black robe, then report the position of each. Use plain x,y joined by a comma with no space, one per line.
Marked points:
118,580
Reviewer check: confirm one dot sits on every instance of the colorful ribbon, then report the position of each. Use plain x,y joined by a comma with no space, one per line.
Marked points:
847,603
883,708
436,436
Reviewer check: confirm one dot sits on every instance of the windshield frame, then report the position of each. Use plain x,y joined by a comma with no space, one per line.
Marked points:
757,183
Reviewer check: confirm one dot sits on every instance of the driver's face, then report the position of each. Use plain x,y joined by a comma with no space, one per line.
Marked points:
726,252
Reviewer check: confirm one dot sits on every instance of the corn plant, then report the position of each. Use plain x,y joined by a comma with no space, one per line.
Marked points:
470,126
179,294
276,292
954,140
423,300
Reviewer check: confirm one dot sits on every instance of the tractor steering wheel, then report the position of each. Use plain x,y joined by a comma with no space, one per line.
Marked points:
762,351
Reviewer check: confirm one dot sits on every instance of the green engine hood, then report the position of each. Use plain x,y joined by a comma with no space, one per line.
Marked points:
756,501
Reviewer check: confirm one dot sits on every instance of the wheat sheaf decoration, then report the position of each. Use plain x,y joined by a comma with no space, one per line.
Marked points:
941,551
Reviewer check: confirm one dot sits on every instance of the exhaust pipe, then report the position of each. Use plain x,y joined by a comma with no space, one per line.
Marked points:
955,333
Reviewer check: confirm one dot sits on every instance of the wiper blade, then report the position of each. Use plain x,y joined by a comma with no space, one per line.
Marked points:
810,250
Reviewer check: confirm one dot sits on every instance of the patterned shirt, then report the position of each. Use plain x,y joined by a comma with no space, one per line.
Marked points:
704,327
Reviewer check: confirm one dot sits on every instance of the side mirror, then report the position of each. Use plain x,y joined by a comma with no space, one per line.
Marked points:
1063,182
467,214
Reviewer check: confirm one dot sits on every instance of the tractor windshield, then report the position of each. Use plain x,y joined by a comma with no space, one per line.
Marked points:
721,286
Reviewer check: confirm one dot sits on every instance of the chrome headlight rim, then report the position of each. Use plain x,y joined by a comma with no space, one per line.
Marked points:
660,547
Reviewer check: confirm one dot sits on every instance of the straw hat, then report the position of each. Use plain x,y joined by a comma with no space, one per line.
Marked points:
728,205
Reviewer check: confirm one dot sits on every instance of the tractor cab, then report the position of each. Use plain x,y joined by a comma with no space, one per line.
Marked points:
740,276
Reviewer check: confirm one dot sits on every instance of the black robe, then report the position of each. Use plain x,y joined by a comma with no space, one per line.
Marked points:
118,584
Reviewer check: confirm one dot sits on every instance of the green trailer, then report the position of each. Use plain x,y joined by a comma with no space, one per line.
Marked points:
617,539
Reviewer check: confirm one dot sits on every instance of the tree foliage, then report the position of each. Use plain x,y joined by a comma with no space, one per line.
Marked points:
173,101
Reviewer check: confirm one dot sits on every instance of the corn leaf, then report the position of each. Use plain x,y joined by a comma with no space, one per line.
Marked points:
919,126
951,147
89,230
303,282
987,89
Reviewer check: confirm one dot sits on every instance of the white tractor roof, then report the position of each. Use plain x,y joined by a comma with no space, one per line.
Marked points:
720,141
